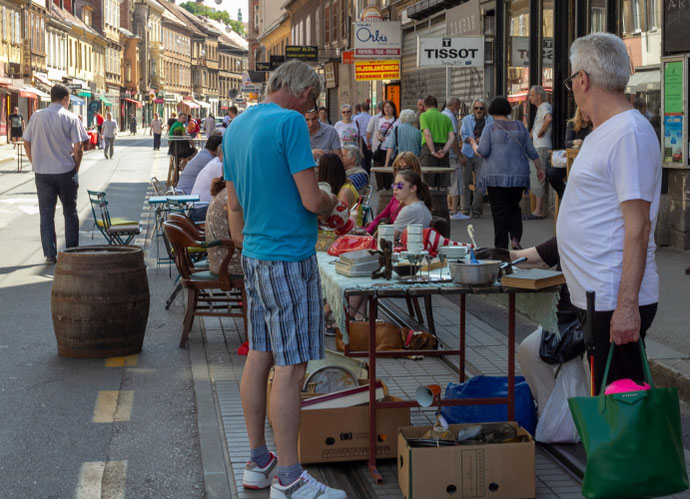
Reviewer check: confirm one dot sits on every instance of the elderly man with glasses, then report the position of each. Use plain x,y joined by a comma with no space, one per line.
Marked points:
472,126
606,221
541,139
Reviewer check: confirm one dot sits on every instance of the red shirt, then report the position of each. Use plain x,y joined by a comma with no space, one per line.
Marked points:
99,119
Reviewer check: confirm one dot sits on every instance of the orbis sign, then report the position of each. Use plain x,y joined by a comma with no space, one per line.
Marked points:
378,40
466,52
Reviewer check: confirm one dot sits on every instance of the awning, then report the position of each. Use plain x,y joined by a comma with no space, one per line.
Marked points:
84,92
203,104
43,95
105,100
24,92
139,104
189,104
76,101
642,81
44,80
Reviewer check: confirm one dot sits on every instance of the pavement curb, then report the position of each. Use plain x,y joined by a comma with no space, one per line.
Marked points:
668,376
211,438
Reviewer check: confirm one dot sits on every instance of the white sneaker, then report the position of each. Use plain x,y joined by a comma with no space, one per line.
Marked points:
305,487
260,478
459,216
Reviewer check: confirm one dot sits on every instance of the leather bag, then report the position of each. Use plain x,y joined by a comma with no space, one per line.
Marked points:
633,440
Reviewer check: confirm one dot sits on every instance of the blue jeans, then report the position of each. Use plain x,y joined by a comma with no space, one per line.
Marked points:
49,187
109,146
156,141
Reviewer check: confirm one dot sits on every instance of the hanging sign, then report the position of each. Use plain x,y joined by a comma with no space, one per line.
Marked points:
377,70
378,39
302,52
347,57
466,52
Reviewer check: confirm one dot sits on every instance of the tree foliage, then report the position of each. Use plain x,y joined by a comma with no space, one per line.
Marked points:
199,9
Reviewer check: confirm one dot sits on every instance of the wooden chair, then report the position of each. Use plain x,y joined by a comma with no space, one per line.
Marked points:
208,294
115,230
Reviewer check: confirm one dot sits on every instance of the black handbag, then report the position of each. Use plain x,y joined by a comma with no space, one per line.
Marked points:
558,350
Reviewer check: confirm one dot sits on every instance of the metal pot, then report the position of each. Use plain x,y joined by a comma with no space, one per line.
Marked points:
483,273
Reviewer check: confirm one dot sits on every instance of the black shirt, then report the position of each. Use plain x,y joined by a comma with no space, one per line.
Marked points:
16,120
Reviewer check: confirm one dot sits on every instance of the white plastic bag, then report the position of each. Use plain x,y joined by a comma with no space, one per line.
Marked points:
555,423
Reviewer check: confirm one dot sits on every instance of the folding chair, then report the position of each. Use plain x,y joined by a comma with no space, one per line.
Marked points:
115,230
208,294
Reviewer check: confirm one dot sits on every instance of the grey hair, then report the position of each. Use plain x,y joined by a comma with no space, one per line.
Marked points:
346,106
407,116
539,90
481,102
353,151
296,76
452,101
604,58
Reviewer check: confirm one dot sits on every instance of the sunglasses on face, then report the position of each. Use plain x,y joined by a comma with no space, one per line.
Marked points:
399,185
479,109
347,112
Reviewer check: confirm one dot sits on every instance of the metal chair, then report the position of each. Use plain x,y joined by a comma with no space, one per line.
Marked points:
208,294
115,230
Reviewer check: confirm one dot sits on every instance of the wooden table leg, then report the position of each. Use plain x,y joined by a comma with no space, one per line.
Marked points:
462,339
429,314
511,357
373,305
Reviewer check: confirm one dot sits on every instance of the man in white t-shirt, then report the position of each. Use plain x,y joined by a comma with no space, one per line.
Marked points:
606,221
541,139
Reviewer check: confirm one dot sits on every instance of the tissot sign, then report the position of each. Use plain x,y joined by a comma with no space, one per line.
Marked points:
378,40
465,52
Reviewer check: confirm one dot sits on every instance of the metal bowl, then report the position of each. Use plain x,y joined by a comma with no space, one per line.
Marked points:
483,273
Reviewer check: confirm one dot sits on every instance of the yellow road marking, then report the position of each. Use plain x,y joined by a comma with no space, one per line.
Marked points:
113,405
102,479
125,361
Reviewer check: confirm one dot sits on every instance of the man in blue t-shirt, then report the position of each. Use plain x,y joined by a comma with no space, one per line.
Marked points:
273,202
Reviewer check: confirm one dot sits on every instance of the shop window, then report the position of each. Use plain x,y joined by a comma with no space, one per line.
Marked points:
343,18
334,22
652,10
327,21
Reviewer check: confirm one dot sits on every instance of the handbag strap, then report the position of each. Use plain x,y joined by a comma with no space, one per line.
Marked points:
645,367
511,136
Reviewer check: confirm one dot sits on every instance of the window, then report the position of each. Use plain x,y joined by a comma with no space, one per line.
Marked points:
327,23
256,17
308,28
334,21
598,21
343,18
4,24
652,22
633,14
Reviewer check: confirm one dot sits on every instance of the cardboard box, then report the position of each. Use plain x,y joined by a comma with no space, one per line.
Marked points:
332,435
469,471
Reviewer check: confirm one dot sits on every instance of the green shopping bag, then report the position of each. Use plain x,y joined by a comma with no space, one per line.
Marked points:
632,440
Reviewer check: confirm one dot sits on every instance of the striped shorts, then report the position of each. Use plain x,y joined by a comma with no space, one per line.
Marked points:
285,309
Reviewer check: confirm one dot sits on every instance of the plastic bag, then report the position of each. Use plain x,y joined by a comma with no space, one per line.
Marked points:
351,243
490,386
556,423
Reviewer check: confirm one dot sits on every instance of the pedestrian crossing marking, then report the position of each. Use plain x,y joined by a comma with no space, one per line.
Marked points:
102,479
113,405
124,361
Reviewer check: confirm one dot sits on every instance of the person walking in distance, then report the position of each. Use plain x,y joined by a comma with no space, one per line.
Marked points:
53,141
156,130
606,221
209,125
17,126
471,129
110,130
268,162
541,138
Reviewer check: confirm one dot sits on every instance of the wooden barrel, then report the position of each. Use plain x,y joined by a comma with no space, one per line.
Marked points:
100,301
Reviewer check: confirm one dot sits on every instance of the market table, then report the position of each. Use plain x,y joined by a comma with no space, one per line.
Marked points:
338,288
177,198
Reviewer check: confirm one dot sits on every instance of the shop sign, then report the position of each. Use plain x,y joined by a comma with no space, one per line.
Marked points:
247,85
74,86
6,81
276,60
465,52
347,57
263,66
676,19
378,39
519,53
302,52
377,70
673,113
331,75
464,20
159,101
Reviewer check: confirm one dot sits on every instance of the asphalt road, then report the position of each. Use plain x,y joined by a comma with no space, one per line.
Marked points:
50,442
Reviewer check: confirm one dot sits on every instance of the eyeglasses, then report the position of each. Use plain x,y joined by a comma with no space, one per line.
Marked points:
315,108
568,82
399,186
347,112
479,109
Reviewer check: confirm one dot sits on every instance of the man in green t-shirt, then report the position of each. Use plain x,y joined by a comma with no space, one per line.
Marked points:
437,134
180,123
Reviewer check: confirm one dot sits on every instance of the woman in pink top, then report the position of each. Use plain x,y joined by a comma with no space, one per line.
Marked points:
404,161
